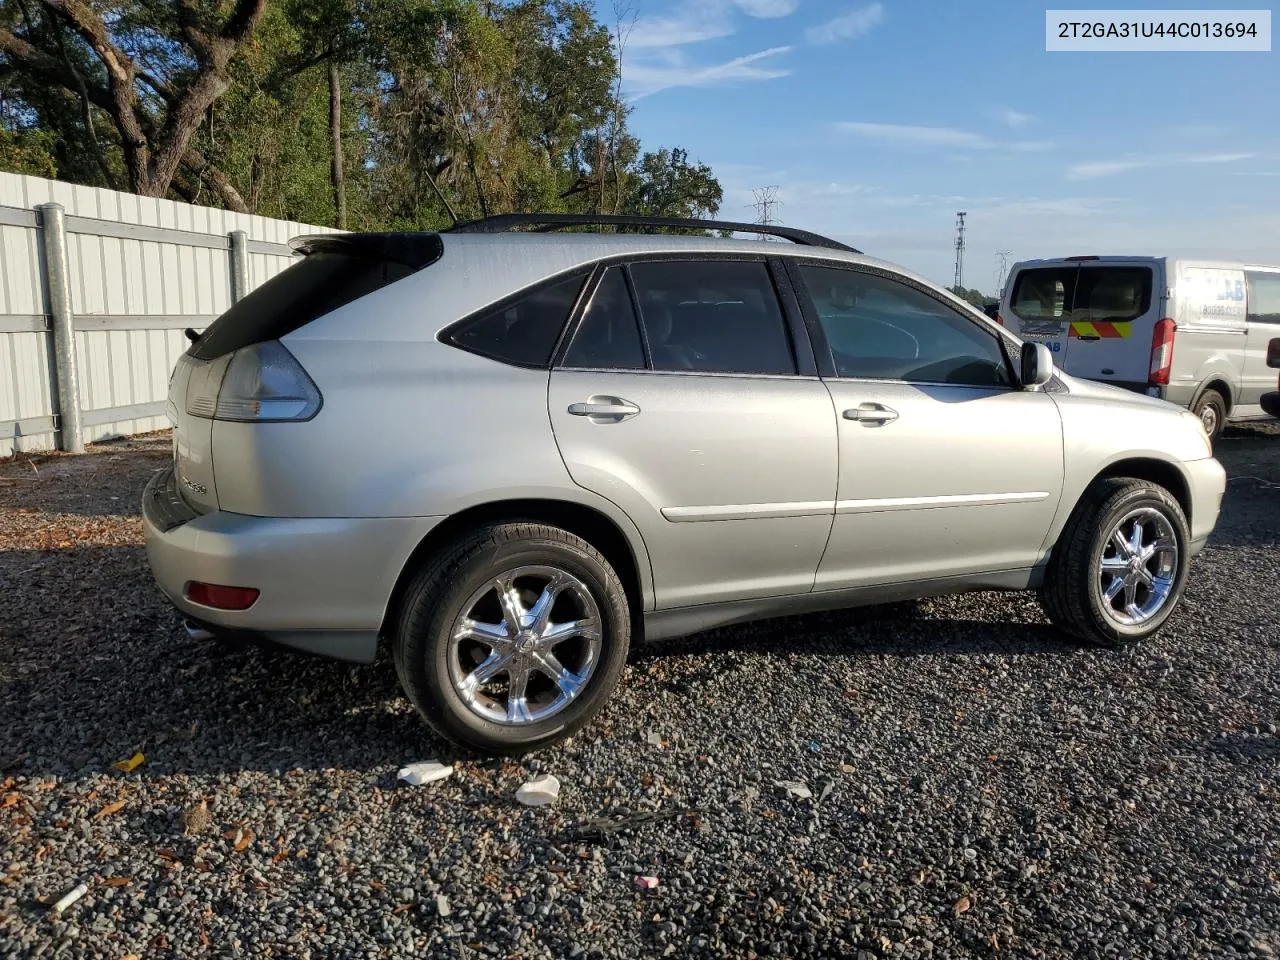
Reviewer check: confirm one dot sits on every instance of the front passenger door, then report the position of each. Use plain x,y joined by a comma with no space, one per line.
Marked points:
947,467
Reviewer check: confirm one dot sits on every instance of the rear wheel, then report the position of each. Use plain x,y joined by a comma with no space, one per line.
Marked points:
1211,408
1120,565
513,638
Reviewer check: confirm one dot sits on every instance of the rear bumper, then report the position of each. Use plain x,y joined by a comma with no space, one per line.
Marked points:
324,582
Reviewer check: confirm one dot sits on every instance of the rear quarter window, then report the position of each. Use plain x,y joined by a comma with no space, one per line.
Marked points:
523,331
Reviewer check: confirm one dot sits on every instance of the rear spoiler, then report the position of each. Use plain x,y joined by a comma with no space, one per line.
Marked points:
414,250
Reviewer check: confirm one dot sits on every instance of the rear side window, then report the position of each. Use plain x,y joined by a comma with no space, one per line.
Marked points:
524,331
1264,296
307,290
712,316
609,336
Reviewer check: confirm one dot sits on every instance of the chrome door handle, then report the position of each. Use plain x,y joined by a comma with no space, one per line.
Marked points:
871,413
610,408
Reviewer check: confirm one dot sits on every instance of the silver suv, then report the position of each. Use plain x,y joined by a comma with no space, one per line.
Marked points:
509,453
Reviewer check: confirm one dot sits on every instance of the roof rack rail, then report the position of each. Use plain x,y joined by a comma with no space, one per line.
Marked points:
544,222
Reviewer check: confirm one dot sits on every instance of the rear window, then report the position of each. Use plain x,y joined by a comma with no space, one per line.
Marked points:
524,331
337,270
1053,295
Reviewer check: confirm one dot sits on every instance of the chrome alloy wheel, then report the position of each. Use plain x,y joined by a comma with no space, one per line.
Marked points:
1209,419
525,645
1138,568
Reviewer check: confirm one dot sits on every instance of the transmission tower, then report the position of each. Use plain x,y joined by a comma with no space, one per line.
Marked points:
766,200
959,250
1003,257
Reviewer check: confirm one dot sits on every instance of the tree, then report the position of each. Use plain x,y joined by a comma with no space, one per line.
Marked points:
668,185
973,296
154,72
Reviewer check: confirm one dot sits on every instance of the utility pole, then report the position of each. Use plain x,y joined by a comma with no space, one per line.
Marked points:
959,282
1003,257
766,200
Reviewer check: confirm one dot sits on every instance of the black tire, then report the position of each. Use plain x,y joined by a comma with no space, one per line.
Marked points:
1211,408
1072,594
435,599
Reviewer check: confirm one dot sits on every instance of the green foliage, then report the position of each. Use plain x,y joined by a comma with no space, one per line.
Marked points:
973,296
471,106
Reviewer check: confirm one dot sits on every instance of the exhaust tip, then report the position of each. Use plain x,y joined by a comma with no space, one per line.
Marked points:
195,631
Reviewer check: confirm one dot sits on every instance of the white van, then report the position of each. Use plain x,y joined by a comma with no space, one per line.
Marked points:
1194,332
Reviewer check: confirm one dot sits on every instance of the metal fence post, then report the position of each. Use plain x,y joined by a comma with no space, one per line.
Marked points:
53,233
239,264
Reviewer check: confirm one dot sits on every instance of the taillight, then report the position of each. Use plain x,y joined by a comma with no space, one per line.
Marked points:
1161,352
1000,319
220,597
262,383
1273,353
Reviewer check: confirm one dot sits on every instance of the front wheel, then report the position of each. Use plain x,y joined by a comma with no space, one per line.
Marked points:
1120,566
513,638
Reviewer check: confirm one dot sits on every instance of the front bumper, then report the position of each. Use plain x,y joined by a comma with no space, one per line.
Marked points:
1271,403
1207,483
325,582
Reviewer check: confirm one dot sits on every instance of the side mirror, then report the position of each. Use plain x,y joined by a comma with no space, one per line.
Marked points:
1037,365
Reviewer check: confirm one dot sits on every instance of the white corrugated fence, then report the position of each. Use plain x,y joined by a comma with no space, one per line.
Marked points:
139,271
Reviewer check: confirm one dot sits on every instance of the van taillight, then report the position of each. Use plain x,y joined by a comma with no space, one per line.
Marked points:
1000,319
1161,352
1273,353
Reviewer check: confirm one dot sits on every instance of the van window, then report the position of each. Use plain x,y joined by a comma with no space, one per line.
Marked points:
1089,294
1044,293
1264,296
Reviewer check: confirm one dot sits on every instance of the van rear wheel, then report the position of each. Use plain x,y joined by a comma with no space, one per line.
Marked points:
1211,408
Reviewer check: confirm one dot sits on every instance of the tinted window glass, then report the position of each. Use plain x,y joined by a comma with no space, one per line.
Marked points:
1046,297
608,337
316,285
713,316
883,329
525,331
1111,294
1264,297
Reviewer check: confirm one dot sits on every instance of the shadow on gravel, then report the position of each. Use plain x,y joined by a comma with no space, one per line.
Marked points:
895,630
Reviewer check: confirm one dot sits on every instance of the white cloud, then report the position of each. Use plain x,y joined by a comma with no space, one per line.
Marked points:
1013,118
909,135
643,79
768,9
1094,169
904,133
849,25
695,21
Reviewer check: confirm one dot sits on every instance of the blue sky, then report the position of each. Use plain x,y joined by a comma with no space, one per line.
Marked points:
877,121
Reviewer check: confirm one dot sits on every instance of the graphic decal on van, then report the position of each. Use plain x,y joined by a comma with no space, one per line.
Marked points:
1101,329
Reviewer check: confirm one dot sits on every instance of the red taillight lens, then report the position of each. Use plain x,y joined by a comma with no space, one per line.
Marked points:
1161,352
220,597
1273,353
1000,319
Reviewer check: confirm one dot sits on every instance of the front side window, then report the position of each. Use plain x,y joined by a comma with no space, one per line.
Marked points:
712,316
523,332
883,329
1264,296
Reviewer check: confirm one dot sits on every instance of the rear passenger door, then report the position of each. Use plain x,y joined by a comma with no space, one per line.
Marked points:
679,398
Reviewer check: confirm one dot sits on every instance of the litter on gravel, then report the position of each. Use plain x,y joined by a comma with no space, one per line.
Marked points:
425,771
539,792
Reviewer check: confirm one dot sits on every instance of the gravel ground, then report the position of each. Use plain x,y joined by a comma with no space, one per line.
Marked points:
980,787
